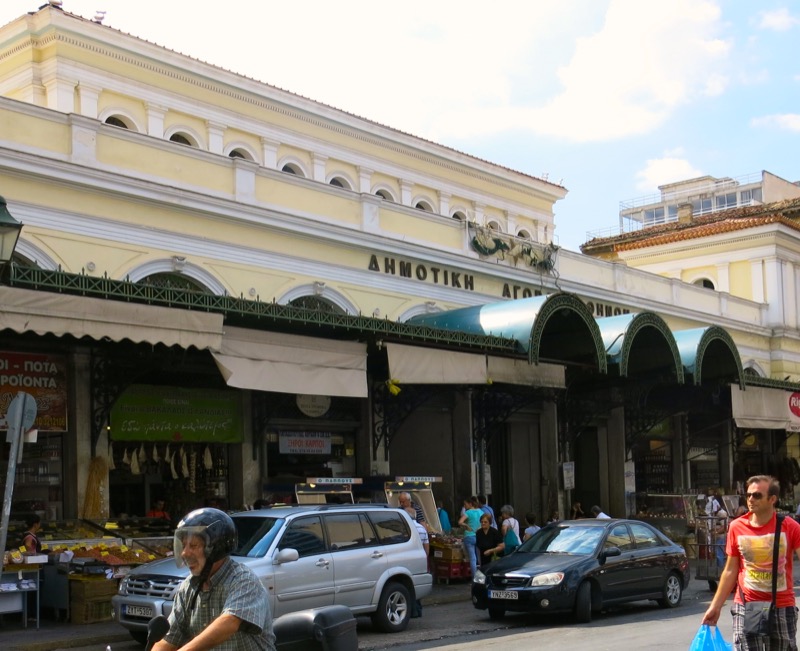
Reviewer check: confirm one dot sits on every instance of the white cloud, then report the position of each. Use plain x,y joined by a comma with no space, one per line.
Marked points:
668,169
646,61
785,121
779,20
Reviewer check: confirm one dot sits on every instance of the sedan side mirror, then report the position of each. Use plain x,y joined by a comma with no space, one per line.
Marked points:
609,552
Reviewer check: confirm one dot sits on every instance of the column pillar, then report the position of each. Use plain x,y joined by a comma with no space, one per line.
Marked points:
774,292
155,119
216,133
444,203
319,161
790,294
269,152
365,180
87,98
405,192
60,94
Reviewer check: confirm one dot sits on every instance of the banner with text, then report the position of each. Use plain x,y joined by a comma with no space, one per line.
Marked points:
304,442
44,377
154,413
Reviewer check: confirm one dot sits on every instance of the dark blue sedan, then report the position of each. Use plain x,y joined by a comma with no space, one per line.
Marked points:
581,566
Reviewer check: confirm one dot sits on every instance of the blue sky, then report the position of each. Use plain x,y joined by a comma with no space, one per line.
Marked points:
610,98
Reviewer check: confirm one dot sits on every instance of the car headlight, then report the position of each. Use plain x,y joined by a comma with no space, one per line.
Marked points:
123,587
554,578
479,577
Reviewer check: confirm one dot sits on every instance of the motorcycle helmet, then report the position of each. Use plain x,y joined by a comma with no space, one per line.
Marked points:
215,527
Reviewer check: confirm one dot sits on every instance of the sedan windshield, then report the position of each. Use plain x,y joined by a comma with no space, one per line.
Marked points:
255,535
565,539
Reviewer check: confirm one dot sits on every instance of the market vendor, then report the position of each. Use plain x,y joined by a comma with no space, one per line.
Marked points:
30,541
158,510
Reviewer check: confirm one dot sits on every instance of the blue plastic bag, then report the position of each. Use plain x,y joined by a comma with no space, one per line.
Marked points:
709,638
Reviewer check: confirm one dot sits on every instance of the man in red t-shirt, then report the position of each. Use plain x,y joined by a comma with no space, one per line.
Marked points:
749,569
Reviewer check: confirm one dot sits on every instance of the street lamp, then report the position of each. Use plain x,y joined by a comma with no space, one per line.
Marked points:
9,233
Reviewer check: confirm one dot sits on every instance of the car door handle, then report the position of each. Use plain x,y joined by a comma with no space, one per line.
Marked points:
322,562
377,554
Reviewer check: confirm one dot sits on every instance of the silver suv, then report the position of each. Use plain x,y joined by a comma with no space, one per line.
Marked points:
368,557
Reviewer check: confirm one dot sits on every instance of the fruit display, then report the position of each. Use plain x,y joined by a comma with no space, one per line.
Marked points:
110,554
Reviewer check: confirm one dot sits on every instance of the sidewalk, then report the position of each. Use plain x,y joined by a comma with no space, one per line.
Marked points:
59,635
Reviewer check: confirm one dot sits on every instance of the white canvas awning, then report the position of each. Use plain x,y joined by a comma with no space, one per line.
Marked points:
414,365
25,310
271,361
765,408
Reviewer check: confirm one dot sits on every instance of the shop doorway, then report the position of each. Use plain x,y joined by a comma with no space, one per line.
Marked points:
587,472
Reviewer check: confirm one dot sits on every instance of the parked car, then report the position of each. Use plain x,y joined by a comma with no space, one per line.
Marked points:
581,566
368,557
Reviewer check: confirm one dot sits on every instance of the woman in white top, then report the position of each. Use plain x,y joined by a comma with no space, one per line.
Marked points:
508,519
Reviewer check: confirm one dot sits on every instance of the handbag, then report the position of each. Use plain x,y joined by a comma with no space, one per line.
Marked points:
759,615
510,541
706,640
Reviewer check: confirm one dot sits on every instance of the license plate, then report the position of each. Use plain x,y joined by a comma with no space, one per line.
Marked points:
503,594
138,611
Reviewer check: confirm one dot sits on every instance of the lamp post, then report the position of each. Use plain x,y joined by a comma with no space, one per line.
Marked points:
9,233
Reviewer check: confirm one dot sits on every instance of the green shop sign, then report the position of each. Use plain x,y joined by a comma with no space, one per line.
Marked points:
154,413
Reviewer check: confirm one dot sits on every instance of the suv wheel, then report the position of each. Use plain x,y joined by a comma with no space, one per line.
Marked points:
394,609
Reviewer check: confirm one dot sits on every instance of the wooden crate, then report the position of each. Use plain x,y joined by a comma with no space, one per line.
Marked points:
86,588
90,611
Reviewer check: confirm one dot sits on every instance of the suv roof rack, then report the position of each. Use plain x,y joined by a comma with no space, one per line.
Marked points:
326,507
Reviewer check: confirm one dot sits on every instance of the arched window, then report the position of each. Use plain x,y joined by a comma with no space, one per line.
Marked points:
460,216
237,153
523,234
704,282
172,281
423,205
292,168
181,139
116,121
316,303
494,226
384,194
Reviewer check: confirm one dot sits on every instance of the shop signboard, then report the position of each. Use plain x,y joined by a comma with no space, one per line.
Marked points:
155,413
304,442
44,378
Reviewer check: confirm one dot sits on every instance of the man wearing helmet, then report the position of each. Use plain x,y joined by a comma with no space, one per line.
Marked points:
222,604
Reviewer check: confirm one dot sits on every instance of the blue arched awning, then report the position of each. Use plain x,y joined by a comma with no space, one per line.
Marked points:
709,355
558,328
640,344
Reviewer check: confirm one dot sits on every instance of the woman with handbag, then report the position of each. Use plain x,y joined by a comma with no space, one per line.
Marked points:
489,541
760,550
509,527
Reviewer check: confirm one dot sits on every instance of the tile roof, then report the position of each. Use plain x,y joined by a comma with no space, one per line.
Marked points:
785,212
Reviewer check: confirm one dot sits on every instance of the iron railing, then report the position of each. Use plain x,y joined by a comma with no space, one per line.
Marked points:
242,310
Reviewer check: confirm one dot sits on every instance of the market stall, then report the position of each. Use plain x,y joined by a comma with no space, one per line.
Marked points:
326,490
421,491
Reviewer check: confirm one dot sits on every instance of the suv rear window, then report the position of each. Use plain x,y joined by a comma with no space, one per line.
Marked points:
390,527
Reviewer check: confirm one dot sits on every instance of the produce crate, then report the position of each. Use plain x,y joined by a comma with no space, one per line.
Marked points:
90,611
448,554
444,571
86,589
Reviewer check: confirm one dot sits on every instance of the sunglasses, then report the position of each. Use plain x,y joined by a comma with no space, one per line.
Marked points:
756,496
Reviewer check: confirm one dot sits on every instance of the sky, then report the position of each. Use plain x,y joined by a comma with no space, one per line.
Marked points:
609,98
